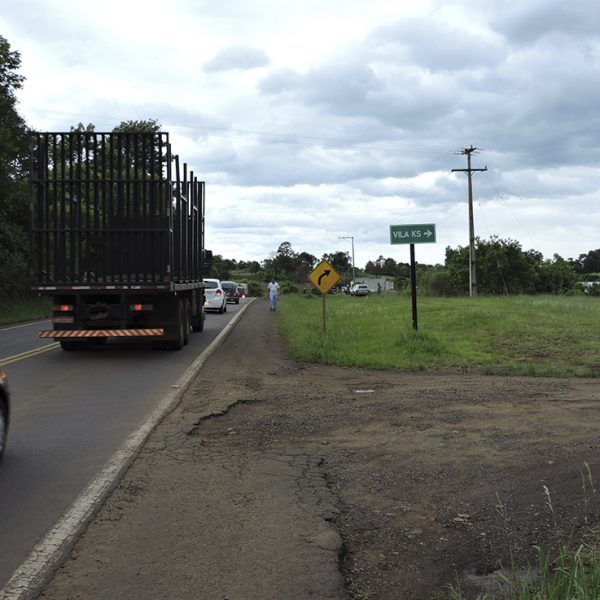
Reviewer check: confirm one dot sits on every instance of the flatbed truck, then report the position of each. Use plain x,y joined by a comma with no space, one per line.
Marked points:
117,238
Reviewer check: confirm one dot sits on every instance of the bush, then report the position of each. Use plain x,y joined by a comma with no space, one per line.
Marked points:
255,289
436,283
289,288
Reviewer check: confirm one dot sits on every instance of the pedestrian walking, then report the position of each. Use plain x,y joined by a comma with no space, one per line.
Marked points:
273,288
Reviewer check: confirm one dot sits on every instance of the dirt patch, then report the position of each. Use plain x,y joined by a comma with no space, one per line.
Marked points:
437,475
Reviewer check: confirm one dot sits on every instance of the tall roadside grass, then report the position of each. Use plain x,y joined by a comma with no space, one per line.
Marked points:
520,335
574,574
571,573
25,308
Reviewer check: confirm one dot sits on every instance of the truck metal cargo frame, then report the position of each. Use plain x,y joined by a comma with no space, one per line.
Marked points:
117,236
114,211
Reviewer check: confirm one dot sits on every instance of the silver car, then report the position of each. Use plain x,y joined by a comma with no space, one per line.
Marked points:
215,298
359,289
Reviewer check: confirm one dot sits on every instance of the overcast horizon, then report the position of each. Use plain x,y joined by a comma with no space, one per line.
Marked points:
328,119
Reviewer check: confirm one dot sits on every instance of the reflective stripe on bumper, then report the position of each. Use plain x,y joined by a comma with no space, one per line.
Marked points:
92,333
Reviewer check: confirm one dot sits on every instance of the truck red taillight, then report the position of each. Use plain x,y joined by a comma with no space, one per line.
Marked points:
141,307
62,308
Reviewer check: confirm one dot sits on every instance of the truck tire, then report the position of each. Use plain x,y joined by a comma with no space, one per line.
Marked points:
179,341
187,315
198,321
69,346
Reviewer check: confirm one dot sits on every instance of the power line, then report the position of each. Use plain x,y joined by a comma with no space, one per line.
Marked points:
262,135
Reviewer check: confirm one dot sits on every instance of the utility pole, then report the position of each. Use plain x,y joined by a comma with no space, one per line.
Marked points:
469,171
350,237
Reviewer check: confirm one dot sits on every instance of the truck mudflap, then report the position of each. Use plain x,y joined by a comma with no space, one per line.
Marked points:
101,333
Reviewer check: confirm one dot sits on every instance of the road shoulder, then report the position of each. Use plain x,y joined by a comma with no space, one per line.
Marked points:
193,521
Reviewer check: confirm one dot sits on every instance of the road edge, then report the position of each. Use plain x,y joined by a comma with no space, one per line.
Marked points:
29,578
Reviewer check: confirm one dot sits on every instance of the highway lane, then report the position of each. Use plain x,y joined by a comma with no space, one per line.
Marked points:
70,412
17,339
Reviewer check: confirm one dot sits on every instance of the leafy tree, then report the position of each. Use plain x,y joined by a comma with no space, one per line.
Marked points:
220,268
503,267
387,267
590,262
285,259
457,263
14,205
254,266
304,264
340,261
287,264
556,276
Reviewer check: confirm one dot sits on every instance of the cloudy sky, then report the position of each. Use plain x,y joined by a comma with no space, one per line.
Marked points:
315,120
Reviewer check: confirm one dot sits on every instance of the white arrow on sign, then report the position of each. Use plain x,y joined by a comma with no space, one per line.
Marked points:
428,233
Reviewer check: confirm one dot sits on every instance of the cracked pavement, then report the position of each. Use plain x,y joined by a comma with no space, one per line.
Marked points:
191,520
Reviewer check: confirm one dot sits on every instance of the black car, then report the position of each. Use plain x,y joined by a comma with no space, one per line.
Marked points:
231,291
4,411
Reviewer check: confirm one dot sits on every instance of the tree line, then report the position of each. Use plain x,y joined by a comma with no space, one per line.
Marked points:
503,268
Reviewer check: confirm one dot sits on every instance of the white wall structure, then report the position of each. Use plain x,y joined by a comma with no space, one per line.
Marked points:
387,284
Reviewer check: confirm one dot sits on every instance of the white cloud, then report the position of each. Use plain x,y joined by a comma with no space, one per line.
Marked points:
318,119
237,57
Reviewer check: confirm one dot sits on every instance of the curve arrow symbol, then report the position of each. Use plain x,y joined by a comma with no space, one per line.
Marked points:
325,273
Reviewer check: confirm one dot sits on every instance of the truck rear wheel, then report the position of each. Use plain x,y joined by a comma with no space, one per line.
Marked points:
179,341
198,321
69,346
187,315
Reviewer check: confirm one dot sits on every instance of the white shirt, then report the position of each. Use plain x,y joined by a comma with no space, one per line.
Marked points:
273,288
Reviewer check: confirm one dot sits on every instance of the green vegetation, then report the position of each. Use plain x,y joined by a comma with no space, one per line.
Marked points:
25,308
516,335
573,574
14,202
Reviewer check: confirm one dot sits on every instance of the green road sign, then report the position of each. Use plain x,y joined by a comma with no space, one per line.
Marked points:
412,234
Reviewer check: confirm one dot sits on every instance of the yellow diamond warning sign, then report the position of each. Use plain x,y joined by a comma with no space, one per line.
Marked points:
324,277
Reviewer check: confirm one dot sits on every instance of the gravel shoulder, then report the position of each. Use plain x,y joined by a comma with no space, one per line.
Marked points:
275,479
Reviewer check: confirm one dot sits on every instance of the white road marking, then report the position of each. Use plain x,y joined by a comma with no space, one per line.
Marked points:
28,580
23,325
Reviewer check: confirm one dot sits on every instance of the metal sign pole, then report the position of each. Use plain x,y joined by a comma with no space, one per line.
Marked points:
413,285
324,277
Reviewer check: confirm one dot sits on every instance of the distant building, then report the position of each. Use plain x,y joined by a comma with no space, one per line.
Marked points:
381,284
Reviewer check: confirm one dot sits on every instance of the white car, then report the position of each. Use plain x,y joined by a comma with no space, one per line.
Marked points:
359,289
215,298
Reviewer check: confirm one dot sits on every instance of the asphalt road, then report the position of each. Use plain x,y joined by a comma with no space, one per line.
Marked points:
70,412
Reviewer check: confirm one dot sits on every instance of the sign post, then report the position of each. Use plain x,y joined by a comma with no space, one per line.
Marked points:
324,277
413,234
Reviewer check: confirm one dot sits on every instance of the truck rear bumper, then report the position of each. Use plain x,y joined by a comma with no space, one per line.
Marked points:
102,333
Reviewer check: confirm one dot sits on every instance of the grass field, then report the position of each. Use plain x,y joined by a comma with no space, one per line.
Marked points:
556,336
27,308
